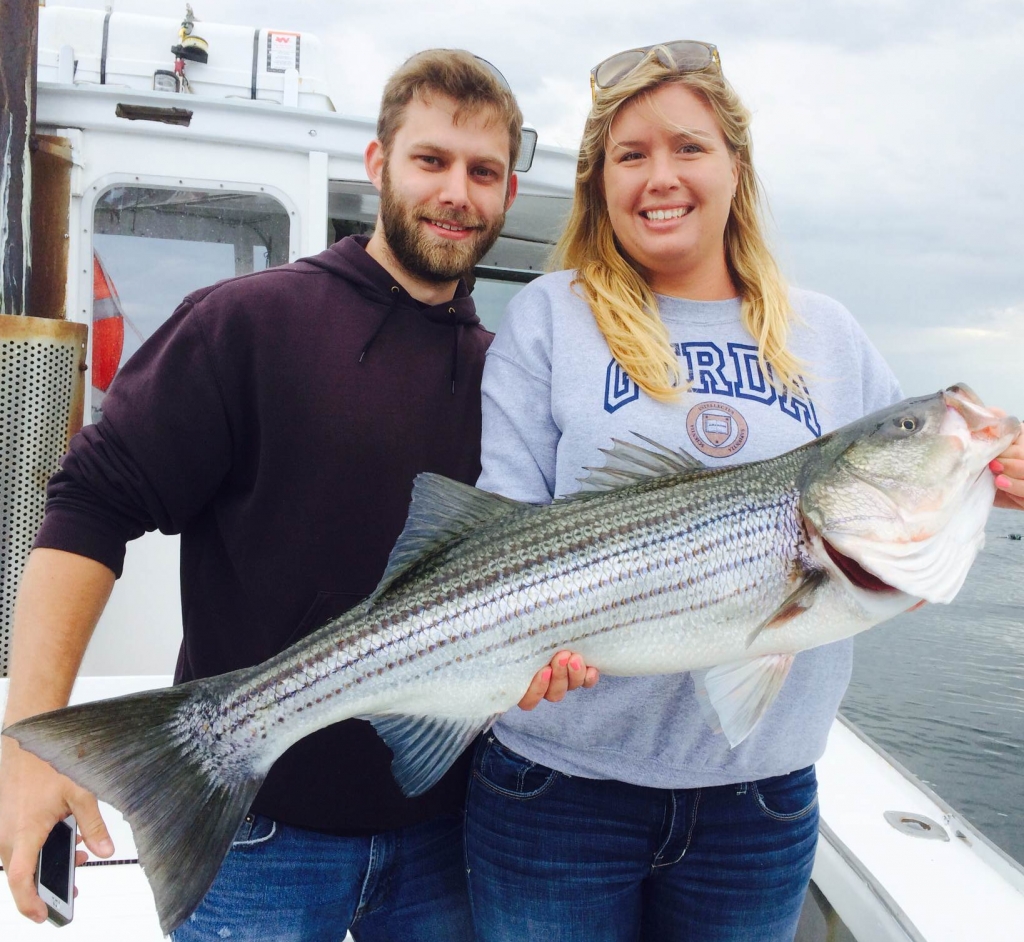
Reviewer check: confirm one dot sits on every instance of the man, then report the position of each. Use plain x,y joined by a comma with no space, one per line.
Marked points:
277,421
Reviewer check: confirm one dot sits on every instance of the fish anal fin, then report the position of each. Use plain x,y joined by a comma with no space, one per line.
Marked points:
735,696
425,747
796,603
441,509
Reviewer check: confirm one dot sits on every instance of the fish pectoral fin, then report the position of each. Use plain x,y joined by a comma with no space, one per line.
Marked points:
425,747
796,603
441,510
735,696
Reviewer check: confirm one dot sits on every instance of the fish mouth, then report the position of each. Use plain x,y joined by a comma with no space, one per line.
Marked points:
852,570
967,417
855,572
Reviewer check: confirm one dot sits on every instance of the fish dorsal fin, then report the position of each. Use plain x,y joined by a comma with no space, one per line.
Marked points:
425,747
441,510
630,464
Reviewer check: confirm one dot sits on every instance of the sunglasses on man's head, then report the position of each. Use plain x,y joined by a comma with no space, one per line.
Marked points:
493,69
529,145
683,55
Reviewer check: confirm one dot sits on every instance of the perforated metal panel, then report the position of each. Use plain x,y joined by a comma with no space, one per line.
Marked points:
41,393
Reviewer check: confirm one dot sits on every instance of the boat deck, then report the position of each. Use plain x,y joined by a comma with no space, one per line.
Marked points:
887,883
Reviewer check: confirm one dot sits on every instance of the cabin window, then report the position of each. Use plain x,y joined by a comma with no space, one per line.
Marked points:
153,246
492,293
531,228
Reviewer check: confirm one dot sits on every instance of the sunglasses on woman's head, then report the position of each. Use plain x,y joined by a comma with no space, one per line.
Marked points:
683,55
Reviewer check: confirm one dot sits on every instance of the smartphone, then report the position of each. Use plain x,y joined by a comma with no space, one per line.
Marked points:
55,874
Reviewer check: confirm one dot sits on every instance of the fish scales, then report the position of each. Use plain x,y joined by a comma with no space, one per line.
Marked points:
666,551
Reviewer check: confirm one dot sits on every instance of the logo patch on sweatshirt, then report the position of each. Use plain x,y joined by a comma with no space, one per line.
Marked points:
716,429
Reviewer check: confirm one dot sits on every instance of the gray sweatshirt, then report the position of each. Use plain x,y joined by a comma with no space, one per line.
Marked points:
553,395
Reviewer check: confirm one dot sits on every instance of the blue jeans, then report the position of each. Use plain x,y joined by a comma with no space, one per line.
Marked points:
285,884
565,859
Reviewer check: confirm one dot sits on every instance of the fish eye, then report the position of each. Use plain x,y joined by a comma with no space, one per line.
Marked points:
907,424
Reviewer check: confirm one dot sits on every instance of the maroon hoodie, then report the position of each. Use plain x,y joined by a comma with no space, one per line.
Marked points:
276,421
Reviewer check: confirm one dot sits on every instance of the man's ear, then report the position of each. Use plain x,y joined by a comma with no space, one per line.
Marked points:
373,160
513,188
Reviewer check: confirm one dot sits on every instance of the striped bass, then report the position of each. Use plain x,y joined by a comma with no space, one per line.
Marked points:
657,567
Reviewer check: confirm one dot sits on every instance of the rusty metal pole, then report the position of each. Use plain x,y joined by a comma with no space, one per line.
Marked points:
42,359
19,26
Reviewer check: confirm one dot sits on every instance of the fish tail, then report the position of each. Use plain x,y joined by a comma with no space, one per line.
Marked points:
147,755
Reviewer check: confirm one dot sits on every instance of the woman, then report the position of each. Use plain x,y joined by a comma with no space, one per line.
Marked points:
619,814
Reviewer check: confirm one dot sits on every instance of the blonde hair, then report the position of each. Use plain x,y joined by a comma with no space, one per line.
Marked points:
624,306
455,74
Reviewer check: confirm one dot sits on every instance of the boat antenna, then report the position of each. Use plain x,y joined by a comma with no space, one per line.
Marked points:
189,47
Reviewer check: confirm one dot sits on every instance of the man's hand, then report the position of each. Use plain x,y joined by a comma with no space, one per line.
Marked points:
59,602
565,672
33,798
1009,472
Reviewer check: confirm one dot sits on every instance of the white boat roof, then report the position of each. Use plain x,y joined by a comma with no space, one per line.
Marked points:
264,89
125,50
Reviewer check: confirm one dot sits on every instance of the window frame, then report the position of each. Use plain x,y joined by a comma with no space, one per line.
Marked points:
81,275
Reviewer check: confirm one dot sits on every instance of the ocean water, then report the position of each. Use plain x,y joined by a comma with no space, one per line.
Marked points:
942,690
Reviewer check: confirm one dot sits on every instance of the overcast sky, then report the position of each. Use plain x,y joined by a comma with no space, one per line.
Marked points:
888,134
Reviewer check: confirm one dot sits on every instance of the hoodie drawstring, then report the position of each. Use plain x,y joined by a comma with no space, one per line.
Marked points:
395,292
455,346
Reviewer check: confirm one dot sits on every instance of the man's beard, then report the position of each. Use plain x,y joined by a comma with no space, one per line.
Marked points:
432,258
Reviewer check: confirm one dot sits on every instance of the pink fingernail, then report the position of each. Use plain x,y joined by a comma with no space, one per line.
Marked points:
996,466
575,663
1003,482
562,661
545,674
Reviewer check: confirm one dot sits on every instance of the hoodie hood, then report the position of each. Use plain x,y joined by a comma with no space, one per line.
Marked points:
349,259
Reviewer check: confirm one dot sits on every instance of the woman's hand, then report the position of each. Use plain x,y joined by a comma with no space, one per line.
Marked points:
1009,472
567,671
